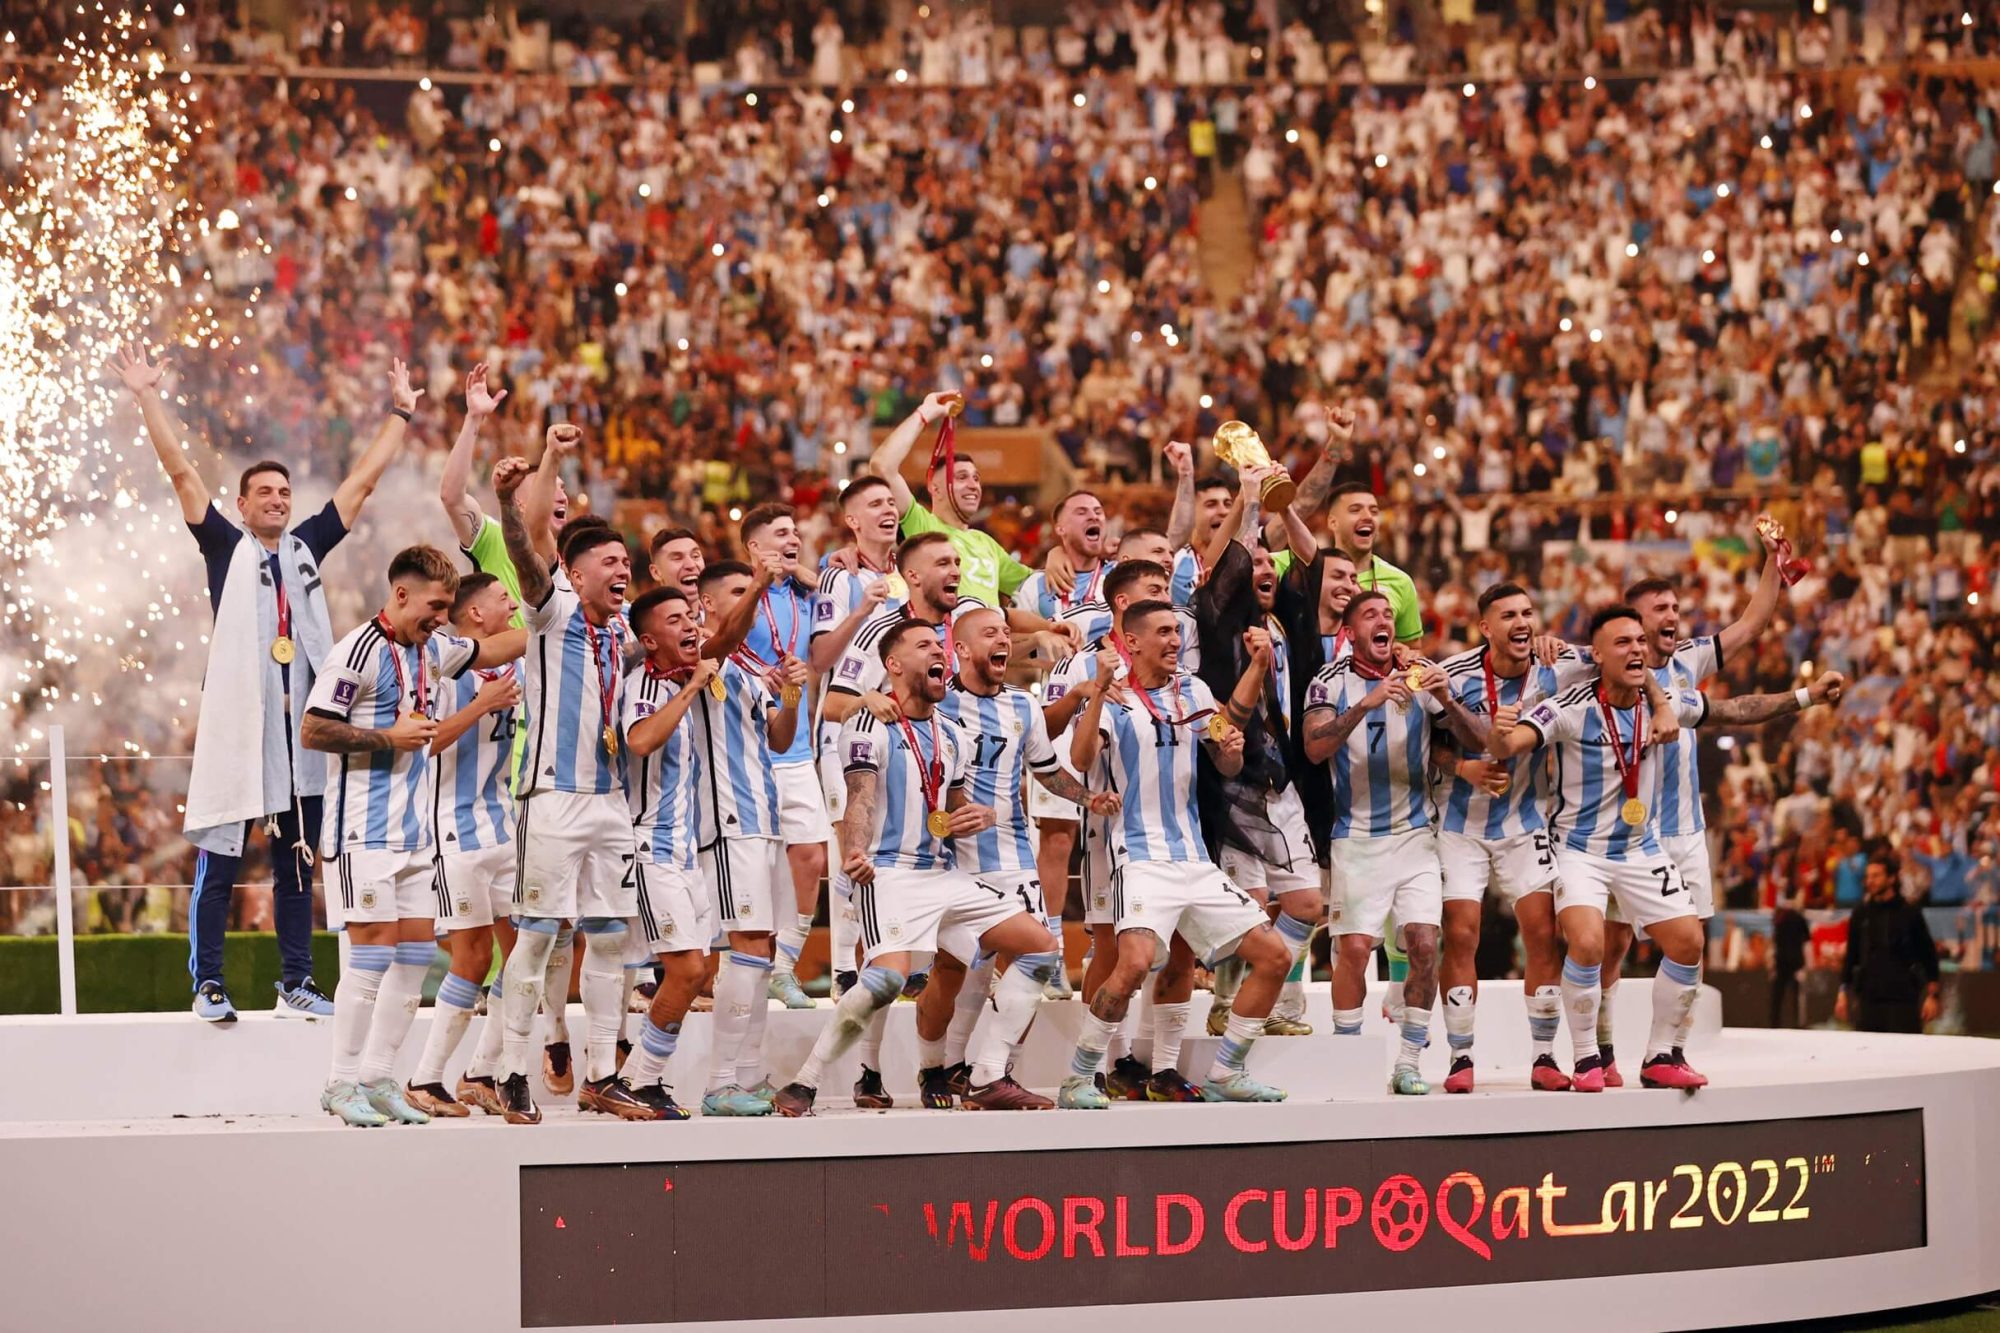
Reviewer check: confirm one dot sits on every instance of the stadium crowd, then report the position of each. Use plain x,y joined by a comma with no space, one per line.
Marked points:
1585,331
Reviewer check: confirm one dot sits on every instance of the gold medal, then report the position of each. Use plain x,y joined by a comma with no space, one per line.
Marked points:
283,650
1633,812
1218,727
611,741
897,587
716,689
791,695
1416,678
1500,787
939,824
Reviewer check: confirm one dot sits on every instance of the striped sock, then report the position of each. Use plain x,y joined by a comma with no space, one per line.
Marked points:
396,1005
792,942
1416,1035
1581,998
1544,1012
1673,1000
750,1054
1458,1019
1237,1039
354,1006
1347,1022
1088,1057
449,1018
648,1064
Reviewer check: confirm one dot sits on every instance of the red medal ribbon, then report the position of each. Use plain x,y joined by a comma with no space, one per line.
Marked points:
945,451
284,609
422,703
930,773
1081,592
771,620
607,680
1628,770
1152,710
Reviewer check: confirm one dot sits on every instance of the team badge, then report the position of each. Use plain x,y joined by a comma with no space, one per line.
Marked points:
463,905
368,897
534,895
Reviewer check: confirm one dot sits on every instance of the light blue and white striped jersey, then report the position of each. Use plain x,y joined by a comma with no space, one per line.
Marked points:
1009,741
380,800
901,838
1589,793
1185,576
1151,766
663,788
1693,662
860,670
473,809
739,795
1281,669
1036,595
1463,808
574,675
1381,782
1092,619
787,605
840,592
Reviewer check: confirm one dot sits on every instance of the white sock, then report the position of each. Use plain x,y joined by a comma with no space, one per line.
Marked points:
877,988
1237,1039
1015,997
750,1055
1416,1033
526,981
1225,980
354,1007
647,1064
1674,990
1392,1004
1582,998
1169,1026
965,1013
396,1005
1545,1007
843,926
1092,1044
871,1038
555,983
1458,1016
1134,1024
603,987
1347,1022
1605,1009
739,981
450,1016
792,938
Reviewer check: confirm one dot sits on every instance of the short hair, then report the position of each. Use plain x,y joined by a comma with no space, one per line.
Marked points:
761,517
1890,866
576,523
1361,599
1352,486
1335,553
426,563
665,535
581,541
1063,503
1609,614
1647,587
469,587
938,461
1126,573
266,465
1213,481
861,486
1136,534
911,545
898,632
649,601
724,569
1499,592
1138,611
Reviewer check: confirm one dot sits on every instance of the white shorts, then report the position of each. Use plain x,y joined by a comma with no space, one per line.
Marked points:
833,785
802,817
377,886
1098,879
572,850
1190,898
1045,804
1646,888
924,911
1396,874
743,875
1689,853
1286,863
1023,886
475,889
1516,866
676,911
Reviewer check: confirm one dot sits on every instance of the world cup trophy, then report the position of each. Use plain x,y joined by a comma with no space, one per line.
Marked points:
1240,446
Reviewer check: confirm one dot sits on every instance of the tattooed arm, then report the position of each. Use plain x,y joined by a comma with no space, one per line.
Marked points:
1746,710
1327,731
857,823
333,736
531,567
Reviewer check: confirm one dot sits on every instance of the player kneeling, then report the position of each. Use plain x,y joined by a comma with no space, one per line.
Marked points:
907,802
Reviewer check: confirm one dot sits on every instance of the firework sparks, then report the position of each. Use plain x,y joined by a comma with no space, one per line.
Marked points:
91,215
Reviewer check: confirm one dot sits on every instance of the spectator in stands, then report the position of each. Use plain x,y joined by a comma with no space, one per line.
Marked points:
1889,981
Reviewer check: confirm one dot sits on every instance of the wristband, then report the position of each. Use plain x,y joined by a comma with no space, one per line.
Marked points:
1804,696
399,412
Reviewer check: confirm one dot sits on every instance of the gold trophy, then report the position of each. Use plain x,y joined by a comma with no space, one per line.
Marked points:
1239,446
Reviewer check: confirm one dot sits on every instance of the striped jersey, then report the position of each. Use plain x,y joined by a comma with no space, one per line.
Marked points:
1009,741
1381,781
860,669
1036,595
783,625
839,593
663,789
1584,815
1151,766
1186,576
1463,808
1092,619
574,677
472,806
1693,662
901,837
739,794
380,800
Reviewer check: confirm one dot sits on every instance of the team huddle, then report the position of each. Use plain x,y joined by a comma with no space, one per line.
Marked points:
1226,727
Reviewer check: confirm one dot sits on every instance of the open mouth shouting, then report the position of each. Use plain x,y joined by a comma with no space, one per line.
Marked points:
690,643
1383,642
617,591
1364,534
1093,537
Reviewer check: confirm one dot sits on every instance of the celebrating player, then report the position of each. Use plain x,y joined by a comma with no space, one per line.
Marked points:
907,804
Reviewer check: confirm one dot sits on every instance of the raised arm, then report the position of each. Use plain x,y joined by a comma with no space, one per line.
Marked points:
459,505
1746,710
1244,701
653,731
825,650
1756,618
382,451
141,379
531,567
1180,523
730,631
538,493
1085,740
887,461
1327,730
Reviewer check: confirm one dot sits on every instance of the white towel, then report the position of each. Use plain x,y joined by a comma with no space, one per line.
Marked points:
226,787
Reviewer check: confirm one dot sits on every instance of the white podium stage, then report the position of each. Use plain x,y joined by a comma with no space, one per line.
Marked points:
1821,1174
